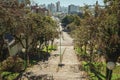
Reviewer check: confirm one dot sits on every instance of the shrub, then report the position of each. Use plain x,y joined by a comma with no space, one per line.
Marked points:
13,64
8,76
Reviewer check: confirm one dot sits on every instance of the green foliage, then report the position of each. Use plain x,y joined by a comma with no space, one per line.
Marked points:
68,19
93,70
29,30
9,75
77,20
50,48
85,66
101,29
71,22
100,68
78,50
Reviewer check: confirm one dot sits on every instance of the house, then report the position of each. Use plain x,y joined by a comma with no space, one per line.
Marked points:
37,9
11,45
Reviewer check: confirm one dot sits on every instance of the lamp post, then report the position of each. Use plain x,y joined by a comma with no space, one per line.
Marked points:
60,64
37,50
60,50
38,46
23,50
110,67
25,63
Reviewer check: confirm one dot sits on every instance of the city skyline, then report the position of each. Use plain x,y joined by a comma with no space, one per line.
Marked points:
68,2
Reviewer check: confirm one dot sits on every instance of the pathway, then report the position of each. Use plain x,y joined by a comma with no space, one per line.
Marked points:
71,66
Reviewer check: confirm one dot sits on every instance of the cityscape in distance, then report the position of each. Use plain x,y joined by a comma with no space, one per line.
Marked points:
56,8
59,39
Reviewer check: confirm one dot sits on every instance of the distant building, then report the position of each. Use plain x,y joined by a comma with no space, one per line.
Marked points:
21,1
73,9
51,7
58,6
64,9
43,6
37,9
24,1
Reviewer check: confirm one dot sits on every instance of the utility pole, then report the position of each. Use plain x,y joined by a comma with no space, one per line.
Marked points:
60,64
60,50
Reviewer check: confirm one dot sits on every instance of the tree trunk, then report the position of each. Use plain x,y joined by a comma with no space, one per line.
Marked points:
27,55
0,75
85,49
28,59
20,40
46,45
1,47
52,41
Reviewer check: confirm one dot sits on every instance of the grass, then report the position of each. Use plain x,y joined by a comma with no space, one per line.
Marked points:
116,73
9,75
78,50
99,69
50,48
100,72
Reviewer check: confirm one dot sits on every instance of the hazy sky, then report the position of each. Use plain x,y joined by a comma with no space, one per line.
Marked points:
68,2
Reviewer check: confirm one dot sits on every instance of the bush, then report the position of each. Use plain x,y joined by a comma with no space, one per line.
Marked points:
8,76
13,64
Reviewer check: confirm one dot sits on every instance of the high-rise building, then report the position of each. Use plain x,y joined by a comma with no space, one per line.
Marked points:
64,9
20,1
73,9
58,6
24,1
52,8
42,6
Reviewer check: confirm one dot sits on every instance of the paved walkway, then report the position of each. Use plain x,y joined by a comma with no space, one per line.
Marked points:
71,66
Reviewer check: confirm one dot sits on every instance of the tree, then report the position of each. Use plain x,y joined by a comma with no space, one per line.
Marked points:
109,34
11,12
12,15
67,20
102,30
71,22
